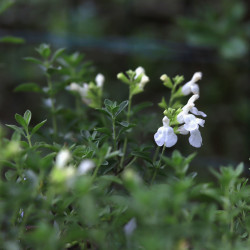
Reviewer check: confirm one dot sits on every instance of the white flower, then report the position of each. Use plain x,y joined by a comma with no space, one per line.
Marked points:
144,78
139,70
165,135
190,107
191,123
85,166
62,158
83,91
192,86
130,227
99,80
47,102
73,87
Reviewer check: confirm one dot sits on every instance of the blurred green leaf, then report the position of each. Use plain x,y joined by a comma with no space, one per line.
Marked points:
12,39
17,129
21,121
27,117
5,4
28,87
37,127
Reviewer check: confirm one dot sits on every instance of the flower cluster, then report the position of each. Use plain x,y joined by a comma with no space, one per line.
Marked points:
136,80
185,119
90,93
64,172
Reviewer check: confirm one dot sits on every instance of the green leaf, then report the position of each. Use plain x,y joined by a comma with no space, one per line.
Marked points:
11,175
44,50
141,106
28,87
37,127
239,169
142,155
57,54
104,111
104,131
27,117
16,136
124,124
111,178
108,103
190,157
122,106
5,5
17,129
21,121
32,59
12,39
163,103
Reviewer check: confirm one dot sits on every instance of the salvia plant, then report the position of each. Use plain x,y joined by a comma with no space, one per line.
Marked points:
87,177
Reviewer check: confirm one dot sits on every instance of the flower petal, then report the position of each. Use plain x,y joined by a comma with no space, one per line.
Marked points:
195,111
159,136
190,122
140,70
192,99
186,88
182,130
170,137
195,89
180,117
165,121
85,166
196,77
99,80
195,138
201,122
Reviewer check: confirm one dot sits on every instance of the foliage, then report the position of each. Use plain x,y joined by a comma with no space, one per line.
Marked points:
87,179
212,29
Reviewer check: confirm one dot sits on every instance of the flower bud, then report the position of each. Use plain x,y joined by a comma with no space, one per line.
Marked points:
85,166
62,158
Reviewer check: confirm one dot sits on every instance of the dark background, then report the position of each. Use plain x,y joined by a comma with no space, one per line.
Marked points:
170,36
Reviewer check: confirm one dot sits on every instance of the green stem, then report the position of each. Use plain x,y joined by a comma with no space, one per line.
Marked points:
158,165
96,171
126,139
78,106
28,137
172,97
114,134
129,107
26,214
131,162
54,123
156,153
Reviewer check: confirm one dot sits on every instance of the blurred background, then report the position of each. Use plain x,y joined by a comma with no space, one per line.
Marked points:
176,37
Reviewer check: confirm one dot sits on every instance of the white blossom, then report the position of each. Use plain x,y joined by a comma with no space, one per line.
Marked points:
165,135
62,158
191,122
144,78
85,166
84,88
130,227
99,79
190,107
47,102
138,71
192,86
